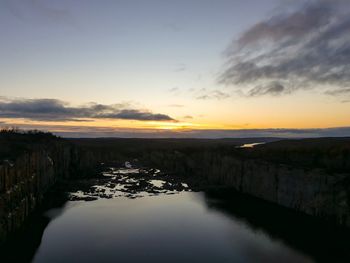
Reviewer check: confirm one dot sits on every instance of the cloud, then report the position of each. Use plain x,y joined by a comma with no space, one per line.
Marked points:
39,12
175,89
215,94
304,47
56,110
136,115
176,105
274,88
338,92
181,67
188,117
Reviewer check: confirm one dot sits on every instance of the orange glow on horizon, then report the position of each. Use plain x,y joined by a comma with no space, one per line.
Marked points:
146,126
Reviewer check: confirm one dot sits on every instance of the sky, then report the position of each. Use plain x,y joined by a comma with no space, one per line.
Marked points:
186,68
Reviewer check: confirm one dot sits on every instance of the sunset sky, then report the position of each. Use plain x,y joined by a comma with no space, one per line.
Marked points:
185,68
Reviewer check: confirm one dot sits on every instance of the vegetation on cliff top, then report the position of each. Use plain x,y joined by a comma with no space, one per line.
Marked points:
14,142
332,154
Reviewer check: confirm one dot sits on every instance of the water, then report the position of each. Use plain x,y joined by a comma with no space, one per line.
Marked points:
250,145
144,215
165,228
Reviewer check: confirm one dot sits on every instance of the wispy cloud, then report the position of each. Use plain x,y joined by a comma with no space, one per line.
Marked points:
176,105
303,47
181,67
38,12
174,89
273,88
56,110
213,94
338,92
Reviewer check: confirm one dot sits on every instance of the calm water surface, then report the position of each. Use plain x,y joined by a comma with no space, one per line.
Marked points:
163,228
143,215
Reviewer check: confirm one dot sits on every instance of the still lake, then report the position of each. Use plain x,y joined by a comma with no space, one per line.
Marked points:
133,214
164,228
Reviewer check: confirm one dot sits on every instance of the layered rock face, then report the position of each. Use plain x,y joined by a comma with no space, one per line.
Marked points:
313,191
23,183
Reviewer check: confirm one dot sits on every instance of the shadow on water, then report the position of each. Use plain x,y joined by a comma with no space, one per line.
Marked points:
321,241
22,246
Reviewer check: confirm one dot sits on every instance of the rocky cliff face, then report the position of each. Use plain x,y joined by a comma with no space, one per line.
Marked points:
313,191
24,181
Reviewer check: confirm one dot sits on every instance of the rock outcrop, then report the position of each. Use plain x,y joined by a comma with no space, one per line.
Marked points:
310,190
24,181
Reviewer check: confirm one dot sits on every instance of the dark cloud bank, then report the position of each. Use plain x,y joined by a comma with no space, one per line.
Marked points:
303,47
56,110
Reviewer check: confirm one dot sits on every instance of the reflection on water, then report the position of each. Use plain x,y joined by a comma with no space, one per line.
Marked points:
171,228
321,241
172,225
250,145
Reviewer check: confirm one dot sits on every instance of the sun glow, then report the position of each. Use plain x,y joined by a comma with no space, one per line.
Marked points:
174,125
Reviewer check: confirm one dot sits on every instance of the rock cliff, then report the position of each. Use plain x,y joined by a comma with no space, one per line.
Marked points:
311,190
24,181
